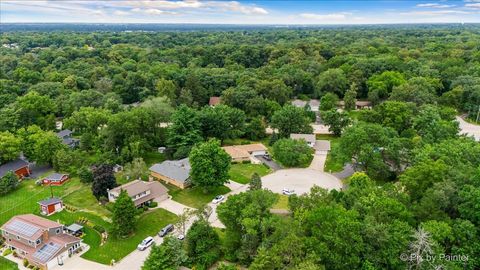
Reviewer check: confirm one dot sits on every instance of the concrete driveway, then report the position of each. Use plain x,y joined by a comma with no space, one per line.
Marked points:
173,206
469,129
300,180
235,189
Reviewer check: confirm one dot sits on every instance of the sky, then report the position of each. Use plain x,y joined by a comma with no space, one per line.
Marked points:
240,12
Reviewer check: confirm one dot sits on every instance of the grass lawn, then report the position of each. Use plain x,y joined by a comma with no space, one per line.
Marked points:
25,198
241,173
333,162
194,196
82,198
153,157
6,264
282,202
149,224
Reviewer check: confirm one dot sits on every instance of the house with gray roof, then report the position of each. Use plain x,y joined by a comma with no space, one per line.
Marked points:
175,172
141,192
66,137
19,166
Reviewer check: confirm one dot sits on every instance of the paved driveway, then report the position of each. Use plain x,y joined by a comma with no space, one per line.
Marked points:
300,180
173,206
270,163
469,129
235,189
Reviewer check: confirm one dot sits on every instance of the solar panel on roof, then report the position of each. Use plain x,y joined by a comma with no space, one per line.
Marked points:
45,253
23,228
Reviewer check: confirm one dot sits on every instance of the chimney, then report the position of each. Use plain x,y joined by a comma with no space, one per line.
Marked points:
45,236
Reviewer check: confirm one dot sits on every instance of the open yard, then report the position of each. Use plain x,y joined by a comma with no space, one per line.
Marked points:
25,198
7,264
282,202
193,196
149,224
241,173
333,162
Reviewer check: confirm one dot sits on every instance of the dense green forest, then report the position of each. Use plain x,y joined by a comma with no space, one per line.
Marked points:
417,190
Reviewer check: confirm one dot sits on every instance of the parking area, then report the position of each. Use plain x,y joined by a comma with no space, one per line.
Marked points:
300,180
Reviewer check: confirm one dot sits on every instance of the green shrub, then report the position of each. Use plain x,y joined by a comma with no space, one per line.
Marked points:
153,204
25,263
7,252
246,162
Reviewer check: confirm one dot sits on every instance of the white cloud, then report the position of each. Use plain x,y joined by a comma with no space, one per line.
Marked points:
331,16
435,5
121,13
474,5
436,12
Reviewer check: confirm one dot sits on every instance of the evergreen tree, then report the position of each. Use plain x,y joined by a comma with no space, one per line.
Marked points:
123,220
350,97
255,182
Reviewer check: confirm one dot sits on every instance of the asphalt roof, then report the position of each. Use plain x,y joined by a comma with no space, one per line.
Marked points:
178,170
12,166
55,176
63,133
50,201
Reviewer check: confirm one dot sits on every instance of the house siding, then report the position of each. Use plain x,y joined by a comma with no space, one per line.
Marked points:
168,180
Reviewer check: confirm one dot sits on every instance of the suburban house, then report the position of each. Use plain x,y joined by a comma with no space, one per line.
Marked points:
309,138
55,179
247,152
175,172
214,101
41,241
19,166
313,103
359,104
141,192
50,206
66,137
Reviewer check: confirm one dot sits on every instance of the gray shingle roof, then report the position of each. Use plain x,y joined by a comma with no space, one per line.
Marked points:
63,133
55,176
178,170
12,166
50,201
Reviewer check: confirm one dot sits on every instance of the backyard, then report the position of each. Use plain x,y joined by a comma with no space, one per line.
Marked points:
242,173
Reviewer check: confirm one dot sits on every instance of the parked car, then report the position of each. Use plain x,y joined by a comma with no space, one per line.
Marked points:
166,230
218,199
288,192
145,243
181,237
267,157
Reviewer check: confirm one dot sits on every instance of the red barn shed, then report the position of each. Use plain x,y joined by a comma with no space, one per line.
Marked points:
19,166
50,206
55,179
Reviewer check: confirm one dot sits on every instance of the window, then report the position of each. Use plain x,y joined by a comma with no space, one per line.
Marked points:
6,233
18,237
38,241
57,231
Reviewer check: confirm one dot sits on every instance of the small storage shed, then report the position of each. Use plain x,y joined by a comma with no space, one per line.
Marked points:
55,179
74,229
50,206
